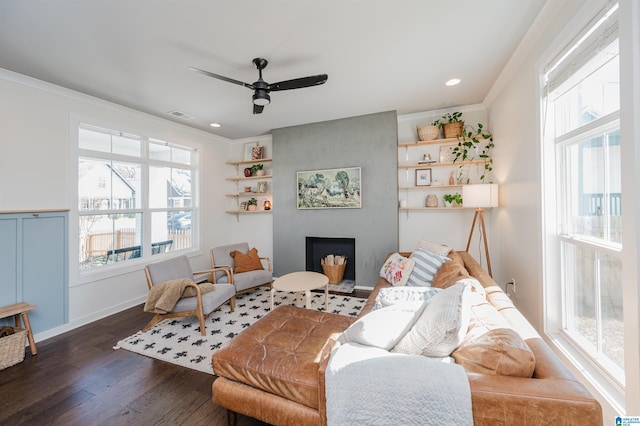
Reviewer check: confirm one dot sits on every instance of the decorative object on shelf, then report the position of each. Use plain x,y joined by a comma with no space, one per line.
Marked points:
452,200
330,188
267,205
257,152
446,153
403,204
248,150
257,170
247,171
423,177
474,144
252,204
480,196
262,186
429,132
451,124
243,206
452,180
247,189
432,201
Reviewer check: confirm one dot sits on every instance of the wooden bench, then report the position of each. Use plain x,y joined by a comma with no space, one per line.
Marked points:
21,310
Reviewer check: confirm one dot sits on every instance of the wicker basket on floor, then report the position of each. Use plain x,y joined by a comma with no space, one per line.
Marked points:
12,348
334,272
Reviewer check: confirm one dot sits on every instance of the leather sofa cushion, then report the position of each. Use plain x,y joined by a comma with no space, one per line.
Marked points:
280,353
450,272
491,346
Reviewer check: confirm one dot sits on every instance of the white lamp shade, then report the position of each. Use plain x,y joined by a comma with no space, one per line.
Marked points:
482,195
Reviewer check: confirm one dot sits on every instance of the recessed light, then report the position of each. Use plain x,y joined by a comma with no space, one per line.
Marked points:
452,82
215,124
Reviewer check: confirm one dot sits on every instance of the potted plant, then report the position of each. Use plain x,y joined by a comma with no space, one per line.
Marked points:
452,200
252,204
474,144
257,170
451,124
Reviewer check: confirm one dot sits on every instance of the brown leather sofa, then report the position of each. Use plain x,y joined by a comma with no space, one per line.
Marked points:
274,370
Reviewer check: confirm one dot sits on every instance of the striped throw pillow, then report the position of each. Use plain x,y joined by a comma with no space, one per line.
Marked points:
425,268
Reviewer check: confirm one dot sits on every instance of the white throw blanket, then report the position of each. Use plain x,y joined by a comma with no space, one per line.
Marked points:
366,385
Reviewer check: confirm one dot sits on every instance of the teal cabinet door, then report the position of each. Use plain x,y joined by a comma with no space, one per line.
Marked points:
44,278
33,266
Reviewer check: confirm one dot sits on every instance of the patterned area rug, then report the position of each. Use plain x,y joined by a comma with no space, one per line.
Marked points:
179,341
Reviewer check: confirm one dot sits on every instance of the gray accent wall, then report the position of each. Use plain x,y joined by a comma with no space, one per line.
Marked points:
369,142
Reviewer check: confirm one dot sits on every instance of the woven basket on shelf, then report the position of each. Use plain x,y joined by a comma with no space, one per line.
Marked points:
12,348
428,133
334,272
452,130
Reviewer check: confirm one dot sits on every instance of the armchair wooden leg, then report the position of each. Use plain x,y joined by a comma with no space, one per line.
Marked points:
203,330
232,303
156,319
232,418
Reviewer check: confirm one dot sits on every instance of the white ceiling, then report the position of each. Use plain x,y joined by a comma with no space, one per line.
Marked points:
380,55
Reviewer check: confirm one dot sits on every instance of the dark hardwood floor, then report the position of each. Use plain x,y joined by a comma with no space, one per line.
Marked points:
77,378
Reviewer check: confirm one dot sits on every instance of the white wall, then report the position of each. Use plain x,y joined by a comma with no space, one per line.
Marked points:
450,227
37,171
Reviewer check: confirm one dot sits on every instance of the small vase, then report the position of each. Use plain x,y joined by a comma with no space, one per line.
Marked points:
261,172
432,201
247,172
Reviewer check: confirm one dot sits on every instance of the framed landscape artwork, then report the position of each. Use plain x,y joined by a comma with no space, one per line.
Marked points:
329,189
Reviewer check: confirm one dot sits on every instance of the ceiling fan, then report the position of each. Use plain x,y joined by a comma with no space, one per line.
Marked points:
261,88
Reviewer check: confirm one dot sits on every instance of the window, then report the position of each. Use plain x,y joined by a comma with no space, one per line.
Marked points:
581,102
134,197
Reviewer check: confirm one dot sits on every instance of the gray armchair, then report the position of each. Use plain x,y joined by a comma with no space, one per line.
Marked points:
199,305
243,281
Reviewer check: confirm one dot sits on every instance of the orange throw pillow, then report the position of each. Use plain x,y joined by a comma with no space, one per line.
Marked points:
246,262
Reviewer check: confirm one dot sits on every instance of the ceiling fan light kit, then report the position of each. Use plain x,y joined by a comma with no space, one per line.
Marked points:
262,89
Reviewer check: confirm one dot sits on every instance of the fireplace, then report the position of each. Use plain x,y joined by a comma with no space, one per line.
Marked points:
319,247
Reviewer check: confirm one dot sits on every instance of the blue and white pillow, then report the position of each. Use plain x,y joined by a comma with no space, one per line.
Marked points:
425,268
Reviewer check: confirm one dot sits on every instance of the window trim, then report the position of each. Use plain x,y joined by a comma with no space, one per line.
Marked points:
81,277
596,379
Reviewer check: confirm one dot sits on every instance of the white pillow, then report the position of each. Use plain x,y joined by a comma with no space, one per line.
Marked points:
397,269
440,249
392,295
441,327
383,327
426,265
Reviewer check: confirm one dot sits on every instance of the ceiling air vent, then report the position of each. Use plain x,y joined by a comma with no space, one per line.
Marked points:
181,115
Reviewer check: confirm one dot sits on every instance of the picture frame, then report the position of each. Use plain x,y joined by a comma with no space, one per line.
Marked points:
244,205
329,189
446,153
262,186
248,150
423,177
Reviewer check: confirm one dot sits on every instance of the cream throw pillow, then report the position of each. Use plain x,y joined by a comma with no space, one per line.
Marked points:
441,327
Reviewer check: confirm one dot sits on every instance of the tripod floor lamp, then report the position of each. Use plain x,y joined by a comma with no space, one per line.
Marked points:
480,196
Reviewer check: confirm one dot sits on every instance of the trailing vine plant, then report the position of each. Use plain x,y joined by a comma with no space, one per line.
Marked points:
474,143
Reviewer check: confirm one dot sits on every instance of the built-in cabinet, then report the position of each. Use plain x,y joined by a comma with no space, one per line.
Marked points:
242,183
433,159
33,265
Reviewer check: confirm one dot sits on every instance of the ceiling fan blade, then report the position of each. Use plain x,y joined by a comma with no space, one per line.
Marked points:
257,109
298,83
221,77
